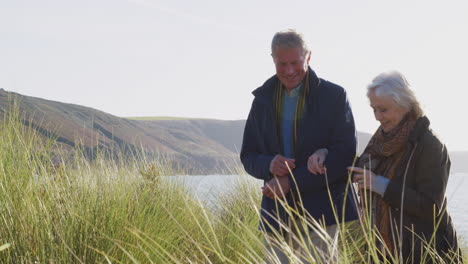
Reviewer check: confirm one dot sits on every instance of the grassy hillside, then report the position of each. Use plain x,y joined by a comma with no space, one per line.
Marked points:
104,211
152,118
95,131
194,145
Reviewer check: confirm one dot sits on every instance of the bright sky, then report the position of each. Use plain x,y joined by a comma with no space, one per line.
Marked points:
203,58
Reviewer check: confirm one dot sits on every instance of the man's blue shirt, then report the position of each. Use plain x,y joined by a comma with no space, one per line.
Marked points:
287,121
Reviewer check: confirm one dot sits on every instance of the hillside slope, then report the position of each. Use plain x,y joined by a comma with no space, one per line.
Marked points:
72,125
195,146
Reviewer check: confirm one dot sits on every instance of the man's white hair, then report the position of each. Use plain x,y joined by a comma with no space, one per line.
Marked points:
288,39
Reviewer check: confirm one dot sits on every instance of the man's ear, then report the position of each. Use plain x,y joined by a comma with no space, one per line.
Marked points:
309,54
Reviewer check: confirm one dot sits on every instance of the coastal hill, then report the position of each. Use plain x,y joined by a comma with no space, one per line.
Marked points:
182,143
194,146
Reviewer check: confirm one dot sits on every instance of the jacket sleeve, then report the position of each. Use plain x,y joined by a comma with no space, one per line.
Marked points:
255,163
341,152
431,171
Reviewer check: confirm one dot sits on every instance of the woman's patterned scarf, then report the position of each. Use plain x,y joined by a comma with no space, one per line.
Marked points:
382,156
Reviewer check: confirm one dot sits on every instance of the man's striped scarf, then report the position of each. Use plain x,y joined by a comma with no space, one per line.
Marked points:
300,107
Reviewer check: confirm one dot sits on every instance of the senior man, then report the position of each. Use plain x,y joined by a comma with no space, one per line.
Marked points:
295,115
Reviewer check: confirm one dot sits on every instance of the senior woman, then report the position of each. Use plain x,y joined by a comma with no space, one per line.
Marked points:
402,176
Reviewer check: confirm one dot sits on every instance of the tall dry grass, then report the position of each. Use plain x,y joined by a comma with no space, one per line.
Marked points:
107,211
113,212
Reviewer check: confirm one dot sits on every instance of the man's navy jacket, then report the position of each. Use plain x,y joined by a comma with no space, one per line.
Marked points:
326,123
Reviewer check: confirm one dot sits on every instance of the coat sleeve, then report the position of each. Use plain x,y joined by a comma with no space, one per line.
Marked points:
341,152
431,171
255,163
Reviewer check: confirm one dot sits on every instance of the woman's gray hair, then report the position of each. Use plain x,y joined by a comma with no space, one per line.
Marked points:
288,39
394,85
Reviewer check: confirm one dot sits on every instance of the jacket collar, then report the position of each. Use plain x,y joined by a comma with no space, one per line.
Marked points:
267,90
422,124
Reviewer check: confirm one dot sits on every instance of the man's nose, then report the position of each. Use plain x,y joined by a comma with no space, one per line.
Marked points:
289,69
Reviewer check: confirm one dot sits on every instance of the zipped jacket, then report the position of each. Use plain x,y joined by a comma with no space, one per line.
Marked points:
327,122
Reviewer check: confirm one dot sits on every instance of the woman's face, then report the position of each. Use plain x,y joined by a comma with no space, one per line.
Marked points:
386,111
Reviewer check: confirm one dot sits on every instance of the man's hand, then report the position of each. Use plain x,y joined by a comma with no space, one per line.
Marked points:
316,160
277,187
278,165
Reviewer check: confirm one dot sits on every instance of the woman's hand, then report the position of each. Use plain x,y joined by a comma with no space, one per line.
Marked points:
364,178
316,160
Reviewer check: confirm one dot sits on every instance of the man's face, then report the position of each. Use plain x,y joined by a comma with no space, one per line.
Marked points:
291,65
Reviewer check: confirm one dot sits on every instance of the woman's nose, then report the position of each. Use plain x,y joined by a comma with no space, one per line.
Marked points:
378,116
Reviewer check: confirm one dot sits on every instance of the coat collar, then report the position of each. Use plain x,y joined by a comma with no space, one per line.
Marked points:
266,91
422,125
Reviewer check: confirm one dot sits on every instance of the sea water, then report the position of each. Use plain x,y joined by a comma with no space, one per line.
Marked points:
208,187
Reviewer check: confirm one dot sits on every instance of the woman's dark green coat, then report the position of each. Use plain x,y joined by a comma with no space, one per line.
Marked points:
422,216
